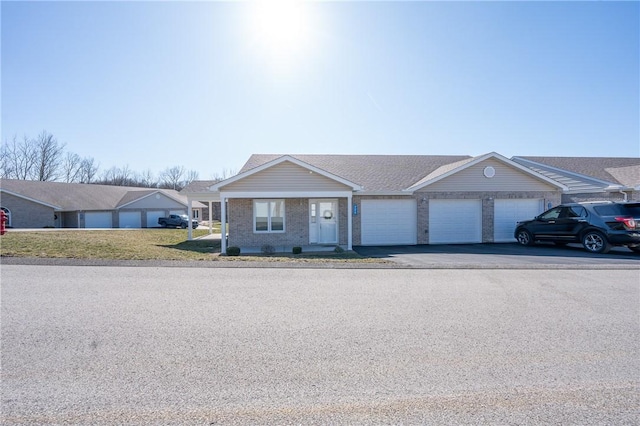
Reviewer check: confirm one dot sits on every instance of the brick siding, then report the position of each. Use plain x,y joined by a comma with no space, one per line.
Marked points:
27,214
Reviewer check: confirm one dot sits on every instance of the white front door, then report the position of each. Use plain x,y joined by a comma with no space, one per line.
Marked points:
323,221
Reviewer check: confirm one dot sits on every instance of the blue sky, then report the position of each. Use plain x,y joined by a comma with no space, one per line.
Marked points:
206,84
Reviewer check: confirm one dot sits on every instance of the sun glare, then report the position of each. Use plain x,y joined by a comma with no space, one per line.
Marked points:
280,29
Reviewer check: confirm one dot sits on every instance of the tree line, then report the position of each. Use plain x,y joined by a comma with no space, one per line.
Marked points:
44,158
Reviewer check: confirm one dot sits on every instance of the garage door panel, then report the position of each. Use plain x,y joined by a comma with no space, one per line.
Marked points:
98,220
455,221
388,222
507,212
153,216
130,220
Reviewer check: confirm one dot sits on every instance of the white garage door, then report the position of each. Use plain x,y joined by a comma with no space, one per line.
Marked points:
455,221
153,216
388,222
508,212
130,220
98,220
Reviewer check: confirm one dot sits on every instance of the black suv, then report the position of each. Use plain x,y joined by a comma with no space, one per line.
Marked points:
596,225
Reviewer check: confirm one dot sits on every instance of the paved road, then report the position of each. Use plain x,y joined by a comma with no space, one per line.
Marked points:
122,345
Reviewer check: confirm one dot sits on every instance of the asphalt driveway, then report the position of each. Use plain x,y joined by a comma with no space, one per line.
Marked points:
507,256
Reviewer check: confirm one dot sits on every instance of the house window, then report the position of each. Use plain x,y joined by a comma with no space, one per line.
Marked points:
268,216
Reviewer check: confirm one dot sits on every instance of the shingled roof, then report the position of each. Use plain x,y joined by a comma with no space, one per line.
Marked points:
623,171
79,196
375,173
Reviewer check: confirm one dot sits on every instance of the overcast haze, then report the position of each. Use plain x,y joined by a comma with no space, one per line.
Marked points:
206,84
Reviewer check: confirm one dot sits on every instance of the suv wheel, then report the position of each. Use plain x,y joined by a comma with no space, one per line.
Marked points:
595,242
524,237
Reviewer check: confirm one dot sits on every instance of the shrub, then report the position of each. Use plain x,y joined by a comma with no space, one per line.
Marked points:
233,251
338,249
268,249
297,250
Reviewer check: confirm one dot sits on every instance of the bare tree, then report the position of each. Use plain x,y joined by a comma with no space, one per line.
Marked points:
118,176
71,167
190,177
225,174
147,180
48,156
171,178
6,166
88,170
18,159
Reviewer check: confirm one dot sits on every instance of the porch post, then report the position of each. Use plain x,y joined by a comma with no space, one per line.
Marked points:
210,217
189,213
350,223
223,225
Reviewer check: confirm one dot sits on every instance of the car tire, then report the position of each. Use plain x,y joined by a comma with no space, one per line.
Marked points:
183,225
595,242
524,237
634,249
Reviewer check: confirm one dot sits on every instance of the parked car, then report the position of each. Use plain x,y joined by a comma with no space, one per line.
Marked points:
596,225
175,220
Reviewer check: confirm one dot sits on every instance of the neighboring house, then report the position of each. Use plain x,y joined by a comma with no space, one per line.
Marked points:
590,178
346,200
35,204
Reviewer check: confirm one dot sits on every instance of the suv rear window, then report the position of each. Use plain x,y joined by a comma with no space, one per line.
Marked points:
618,210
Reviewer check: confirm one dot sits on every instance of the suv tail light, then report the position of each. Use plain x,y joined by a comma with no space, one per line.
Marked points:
628,222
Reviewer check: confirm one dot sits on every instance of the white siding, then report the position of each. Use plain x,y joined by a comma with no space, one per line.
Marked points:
286,176
156,201
506,178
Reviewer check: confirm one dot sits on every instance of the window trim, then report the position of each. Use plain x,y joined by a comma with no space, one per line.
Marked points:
269,230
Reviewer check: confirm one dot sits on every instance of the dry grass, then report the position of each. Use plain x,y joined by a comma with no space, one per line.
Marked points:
144,244
139,244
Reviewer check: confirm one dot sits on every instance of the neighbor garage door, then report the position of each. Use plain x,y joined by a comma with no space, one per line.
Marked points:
455,221
130,220
153,216
98,220
508,212
388,222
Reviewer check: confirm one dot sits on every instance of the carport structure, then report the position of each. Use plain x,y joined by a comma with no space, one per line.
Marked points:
201,192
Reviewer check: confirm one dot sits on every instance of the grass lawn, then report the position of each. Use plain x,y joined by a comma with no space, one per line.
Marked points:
139,244
142,244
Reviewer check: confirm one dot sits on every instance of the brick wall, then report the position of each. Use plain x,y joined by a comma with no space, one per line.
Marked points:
27,214
241,225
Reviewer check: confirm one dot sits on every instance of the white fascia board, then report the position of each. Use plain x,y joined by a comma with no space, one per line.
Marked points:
482,158
33,200
219,185
563,171
287,194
